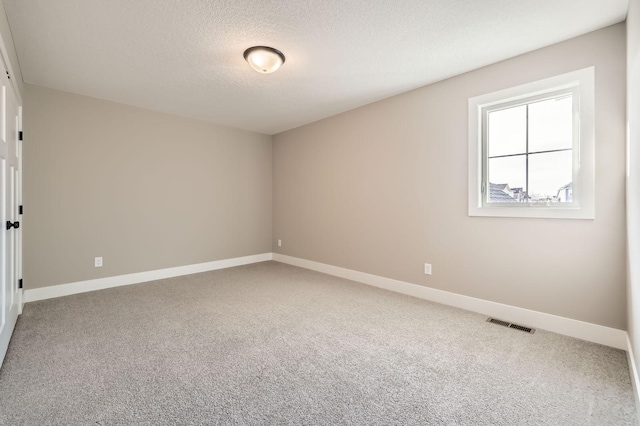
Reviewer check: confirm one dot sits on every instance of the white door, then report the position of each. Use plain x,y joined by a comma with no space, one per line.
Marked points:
10,198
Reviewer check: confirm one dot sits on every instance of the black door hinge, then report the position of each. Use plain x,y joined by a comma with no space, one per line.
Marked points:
20,135
20,210
20,283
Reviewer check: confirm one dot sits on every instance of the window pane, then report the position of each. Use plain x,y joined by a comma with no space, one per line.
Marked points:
550,177
508,131
551,124
507,178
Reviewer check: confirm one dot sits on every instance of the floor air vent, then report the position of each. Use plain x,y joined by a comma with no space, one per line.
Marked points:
510,325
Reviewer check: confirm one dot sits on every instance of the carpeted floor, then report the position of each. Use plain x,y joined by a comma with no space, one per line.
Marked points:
269,343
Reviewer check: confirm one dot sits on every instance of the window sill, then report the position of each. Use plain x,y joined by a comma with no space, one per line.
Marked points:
534,212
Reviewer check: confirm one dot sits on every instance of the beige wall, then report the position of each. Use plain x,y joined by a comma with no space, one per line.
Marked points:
144,190
633,180
383,189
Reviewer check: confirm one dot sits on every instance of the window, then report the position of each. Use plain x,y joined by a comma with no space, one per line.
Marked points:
531,149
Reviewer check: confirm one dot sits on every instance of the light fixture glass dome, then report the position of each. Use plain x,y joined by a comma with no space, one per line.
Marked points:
264,59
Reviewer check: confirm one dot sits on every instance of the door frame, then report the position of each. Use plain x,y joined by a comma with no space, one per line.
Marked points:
13,87
13,78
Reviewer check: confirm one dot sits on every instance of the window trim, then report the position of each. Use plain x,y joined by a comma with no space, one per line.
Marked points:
581,82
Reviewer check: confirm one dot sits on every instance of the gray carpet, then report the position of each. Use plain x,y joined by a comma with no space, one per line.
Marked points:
273,344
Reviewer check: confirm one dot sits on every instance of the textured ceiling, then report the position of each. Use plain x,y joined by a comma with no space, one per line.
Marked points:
185,56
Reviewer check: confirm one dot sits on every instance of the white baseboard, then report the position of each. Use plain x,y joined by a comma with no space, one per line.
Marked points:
32,295
561,325
633,371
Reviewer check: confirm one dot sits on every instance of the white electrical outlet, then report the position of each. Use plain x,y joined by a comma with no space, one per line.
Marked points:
279,243
98,262
427,269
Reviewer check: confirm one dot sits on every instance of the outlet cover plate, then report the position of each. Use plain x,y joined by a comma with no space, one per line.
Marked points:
427,269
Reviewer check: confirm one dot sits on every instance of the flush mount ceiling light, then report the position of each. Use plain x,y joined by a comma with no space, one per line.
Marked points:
264,59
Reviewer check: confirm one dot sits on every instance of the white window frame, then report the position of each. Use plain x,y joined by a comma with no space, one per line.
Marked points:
581,84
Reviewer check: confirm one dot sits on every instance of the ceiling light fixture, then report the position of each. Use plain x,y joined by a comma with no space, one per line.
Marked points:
264,59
